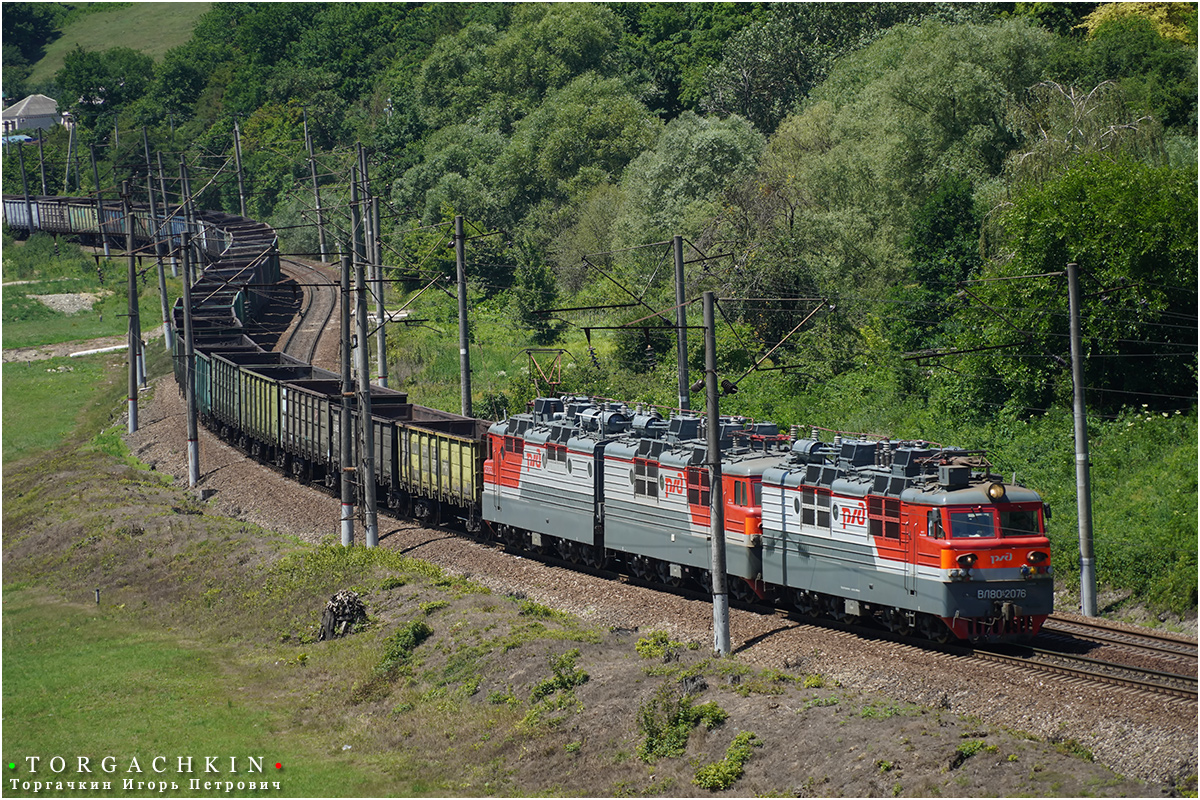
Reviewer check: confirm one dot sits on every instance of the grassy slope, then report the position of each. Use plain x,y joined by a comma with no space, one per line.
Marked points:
152,28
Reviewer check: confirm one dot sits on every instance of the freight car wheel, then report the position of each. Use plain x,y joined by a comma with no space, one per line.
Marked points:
428,511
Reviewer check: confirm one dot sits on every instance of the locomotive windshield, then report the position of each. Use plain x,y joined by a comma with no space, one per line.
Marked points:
972,524
1019,522
979,523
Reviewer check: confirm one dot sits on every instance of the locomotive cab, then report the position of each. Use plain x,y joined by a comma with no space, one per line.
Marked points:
988,545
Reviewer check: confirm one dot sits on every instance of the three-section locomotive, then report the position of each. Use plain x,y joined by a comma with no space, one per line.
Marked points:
924,539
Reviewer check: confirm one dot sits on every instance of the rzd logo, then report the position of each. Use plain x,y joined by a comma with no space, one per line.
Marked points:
997,559
854,516
675,485
533,459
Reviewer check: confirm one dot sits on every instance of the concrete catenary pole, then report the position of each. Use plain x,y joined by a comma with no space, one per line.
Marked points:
720,582
190,217
346,443
162,190
237,154
380,305
25,185
133,304
156,232
366,450
100,226
685,401
189,371
1083,466
312,168
464,354
42,160
70,152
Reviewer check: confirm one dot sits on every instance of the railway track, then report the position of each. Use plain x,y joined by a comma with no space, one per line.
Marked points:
1089,671
1102,633
320,303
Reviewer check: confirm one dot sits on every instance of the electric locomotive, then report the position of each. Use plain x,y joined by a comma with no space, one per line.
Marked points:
923,539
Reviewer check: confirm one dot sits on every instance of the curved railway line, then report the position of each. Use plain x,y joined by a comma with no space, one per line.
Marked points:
320,303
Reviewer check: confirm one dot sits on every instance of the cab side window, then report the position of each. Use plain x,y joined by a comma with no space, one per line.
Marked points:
934,530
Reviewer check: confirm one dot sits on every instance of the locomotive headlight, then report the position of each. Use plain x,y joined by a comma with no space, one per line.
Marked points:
967,560
996,491
1036,557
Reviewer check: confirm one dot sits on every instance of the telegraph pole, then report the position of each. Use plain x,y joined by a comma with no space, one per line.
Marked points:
464,355
720,582
1083,488
685,402
347,395
366,452
189,367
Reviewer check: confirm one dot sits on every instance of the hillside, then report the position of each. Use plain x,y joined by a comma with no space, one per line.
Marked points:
152,28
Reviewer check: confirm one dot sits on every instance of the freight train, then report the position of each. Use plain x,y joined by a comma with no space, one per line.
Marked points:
922,539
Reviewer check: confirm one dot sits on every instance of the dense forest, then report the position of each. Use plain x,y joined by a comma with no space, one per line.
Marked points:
888,192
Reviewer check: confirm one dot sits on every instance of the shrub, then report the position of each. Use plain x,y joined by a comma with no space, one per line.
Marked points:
720,775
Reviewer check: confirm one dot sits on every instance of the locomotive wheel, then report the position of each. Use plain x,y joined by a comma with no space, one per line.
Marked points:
593,557
566,550
806,603
664,575
934,629
741,590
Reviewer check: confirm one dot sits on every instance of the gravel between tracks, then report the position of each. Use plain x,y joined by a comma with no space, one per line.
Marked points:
1154,739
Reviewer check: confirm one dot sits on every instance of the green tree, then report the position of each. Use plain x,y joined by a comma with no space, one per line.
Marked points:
96,84
676,187
943,248
1131,228
534,291
770,66
29,27
581,136
669,47
1157,73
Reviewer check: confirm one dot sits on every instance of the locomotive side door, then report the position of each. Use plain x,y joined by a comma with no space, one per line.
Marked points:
910,530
